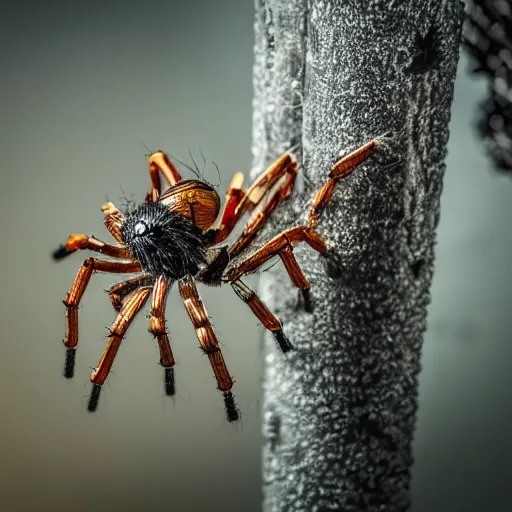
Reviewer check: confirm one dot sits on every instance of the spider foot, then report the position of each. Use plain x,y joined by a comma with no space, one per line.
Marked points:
69,364
94,398
282,340
305,300
60,253
170,390
232,412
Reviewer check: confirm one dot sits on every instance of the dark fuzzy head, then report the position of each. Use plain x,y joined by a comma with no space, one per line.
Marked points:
164,242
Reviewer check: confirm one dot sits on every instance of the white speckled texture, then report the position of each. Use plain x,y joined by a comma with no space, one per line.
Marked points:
339,410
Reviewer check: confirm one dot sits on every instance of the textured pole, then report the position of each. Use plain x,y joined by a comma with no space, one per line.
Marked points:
339,410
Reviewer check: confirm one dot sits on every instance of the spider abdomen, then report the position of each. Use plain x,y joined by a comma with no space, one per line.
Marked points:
194,199
164,242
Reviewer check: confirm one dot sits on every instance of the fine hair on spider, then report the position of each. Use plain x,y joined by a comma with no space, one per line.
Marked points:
179,236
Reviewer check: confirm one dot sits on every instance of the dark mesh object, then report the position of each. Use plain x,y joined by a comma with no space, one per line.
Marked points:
487,36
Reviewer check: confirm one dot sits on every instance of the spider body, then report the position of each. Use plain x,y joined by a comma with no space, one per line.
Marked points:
164,242
180,235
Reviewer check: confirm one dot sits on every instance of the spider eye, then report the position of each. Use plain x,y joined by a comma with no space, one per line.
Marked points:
140,228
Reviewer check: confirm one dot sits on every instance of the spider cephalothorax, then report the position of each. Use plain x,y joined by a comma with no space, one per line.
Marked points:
178,235
164,242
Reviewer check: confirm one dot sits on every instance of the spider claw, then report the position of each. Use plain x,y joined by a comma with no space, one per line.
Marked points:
69,365
94,398
233,414
305,300
60,253
170,389
308,300
282,341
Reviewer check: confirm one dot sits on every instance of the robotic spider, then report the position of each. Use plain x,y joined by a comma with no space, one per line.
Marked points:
178,235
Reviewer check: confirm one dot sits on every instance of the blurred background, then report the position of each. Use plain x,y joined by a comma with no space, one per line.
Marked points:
82,85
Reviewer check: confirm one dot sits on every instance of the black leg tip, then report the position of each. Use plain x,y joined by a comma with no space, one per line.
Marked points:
60,253
282,341
94,398
69,365
170,389
232,412
307,300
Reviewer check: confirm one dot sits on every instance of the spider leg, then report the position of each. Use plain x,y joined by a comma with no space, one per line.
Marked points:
133,304
114,219
282,245
159,161
157,328
234,195
257,221
75,295
208,341
262,313
237,203
341,168
119,291
79,242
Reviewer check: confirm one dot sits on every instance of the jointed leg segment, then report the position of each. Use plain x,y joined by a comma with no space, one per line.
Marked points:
80,284
114,220
204,330
234,195
278,244
238,203
286,164
157,328
282,244
262,313
159,161
341,168
131,307
118,292
157,321
79,242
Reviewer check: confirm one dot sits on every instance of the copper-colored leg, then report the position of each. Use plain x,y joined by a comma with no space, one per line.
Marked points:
159,161
157,328
263,314
114,220
79,242
80,284
119,291
234,195
258,220
131,307
274,247
286,165
342,168
204,330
